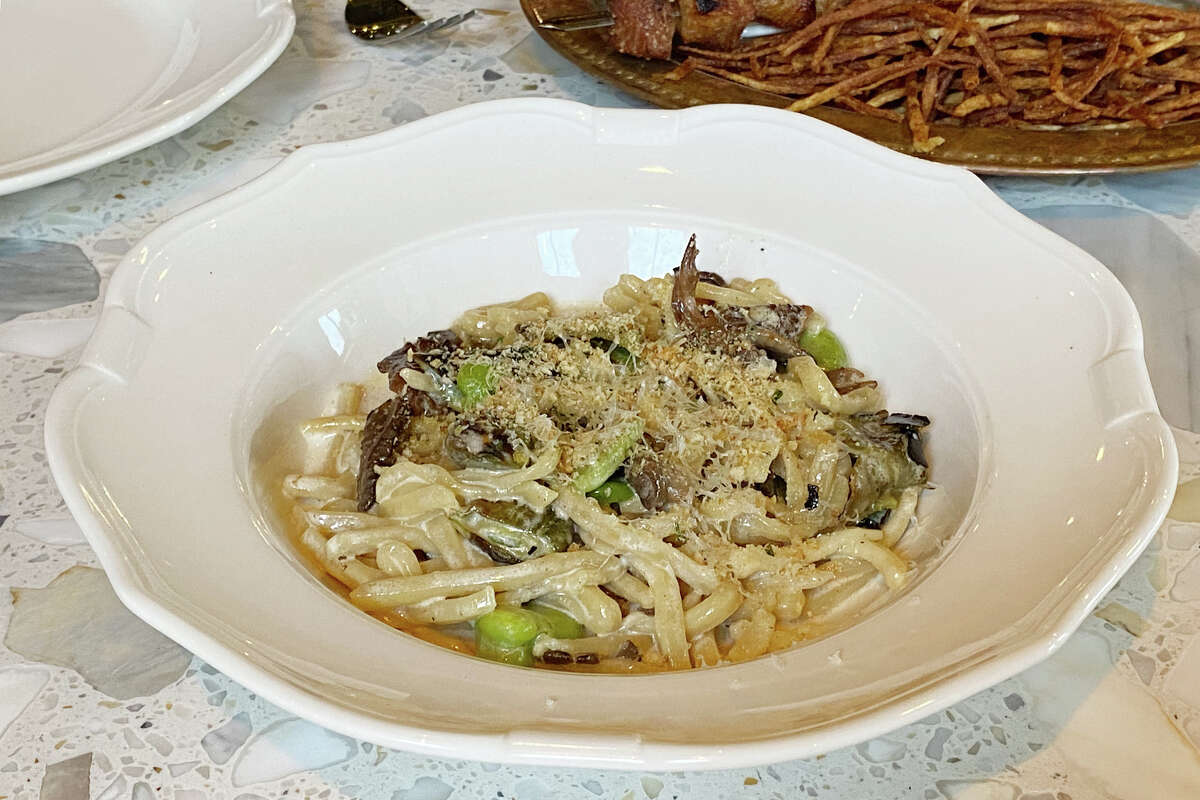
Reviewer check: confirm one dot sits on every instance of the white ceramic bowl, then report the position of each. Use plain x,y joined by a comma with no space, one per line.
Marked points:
1052,464
89,81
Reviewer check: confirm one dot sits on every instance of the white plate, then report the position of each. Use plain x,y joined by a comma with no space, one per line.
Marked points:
88,81
1052,464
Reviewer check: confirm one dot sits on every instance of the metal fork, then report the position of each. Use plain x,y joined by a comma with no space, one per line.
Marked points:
394,21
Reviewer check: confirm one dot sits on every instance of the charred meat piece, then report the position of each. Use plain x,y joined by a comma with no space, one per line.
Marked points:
714,23
419,355
643,28
786,14
882,464
847,379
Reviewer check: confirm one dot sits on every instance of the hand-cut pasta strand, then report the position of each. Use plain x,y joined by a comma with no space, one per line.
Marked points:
712,610
319,457
391,592
589,606
570,581
624,538
632,589
852,542
669,630
893,568
339,520
730,296
362,541
316,487
448,544
898,521
401,485
342,423
822,393
351,573
440,611
396,558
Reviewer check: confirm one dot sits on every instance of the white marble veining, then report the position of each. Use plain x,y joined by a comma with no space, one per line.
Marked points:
77,622
288,747
45,338
1114,714
51,530
18,687
39,275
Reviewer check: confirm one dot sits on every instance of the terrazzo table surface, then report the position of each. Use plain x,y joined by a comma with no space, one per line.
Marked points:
95,704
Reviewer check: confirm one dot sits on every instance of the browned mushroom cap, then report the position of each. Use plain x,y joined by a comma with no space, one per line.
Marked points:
386,426
688,313
657,481
417,355
847,379
883,465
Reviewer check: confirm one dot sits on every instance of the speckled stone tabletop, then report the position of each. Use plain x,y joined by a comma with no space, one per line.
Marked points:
93,703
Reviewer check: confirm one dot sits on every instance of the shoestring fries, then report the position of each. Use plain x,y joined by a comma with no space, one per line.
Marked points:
936,65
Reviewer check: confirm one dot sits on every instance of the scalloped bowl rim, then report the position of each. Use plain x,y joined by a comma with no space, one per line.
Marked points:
108,537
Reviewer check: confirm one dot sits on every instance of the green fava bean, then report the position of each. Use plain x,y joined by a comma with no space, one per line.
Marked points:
612,492
506,635
825,348
555,622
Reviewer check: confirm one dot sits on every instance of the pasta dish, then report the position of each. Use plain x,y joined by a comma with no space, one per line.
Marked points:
661,482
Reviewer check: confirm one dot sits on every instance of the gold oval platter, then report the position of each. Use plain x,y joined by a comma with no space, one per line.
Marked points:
989,151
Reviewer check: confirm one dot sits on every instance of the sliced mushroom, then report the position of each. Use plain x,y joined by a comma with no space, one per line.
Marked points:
512,533
421,355
847,379
882,464
385,429
657,481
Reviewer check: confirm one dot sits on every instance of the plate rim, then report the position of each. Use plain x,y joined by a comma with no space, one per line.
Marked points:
278,24
1025,649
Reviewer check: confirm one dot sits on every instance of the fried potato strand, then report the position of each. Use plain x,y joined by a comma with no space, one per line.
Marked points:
933,65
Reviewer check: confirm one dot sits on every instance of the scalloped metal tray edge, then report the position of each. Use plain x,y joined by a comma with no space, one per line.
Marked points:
989,151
